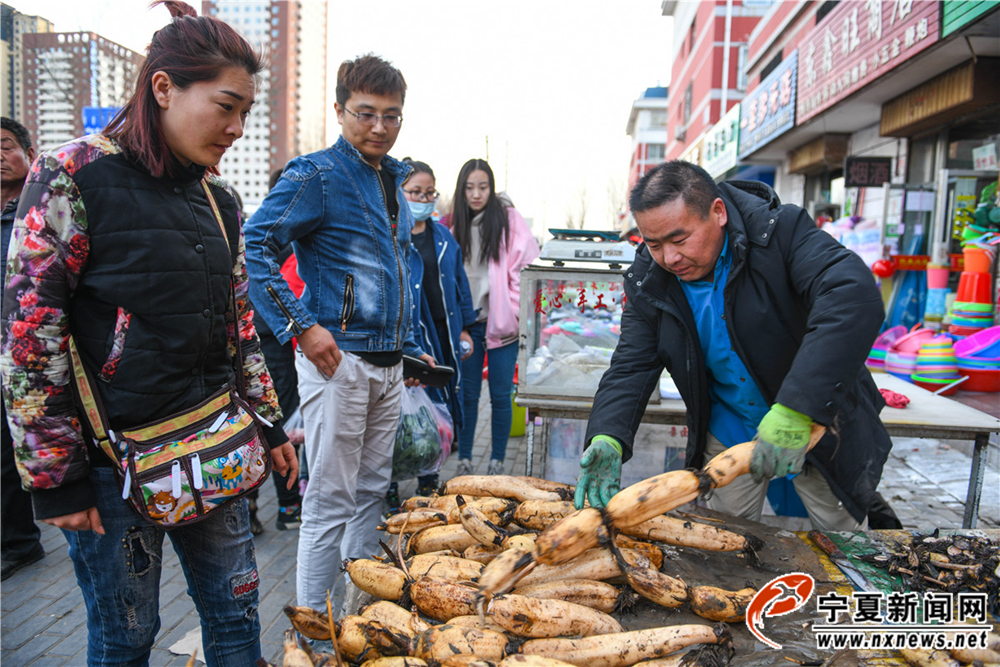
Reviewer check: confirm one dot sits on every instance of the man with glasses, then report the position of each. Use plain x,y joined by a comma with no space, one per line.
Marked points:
340,209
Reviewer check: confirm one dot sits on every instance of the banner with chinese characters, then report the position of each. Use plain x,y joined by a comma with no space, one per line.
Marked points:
721,143
579,296
769,111
858,42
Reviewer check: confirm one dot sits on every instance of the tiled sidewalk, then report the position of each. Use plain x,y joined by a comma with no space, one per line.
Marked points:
43,618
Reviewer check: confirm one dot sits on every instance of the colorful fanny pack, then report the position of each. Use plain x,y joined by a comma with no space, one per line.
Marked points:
179,469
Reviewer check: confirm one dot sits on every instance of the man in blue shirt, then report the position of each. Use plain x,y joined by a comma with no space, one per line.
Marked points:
764,322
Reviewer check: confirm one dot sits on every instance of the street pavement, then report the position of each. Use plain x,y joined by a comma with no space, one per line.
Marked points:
43,618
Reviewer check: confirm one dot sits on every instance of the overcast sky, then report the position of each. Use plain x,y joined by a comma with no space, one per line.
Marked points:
550,82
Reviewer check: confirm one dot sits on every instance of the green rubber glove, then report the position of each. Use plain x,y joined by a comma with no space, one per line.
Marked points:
600,472
782,439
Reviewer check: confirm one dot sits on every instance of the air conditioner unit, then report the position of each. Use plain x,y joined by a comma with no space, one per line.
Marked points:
681,133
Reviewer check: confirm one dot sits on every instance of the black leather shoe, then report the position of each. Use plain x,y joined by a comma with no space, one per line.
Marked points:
12,566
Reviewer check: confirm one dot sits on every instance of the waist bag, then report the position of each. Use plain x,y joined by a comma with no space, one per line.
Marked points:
179,469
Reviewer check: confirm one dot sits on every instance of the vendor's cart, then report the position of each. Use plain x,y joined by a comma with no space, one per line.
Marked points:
569,316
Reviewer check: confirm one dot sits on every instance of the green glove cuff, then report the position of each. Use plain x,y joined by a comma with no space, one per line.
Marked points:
611,441
785,428
788,413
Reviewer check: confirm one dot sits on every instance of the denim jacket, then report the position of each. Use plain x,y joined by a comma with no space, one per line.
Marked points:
330,206
459,312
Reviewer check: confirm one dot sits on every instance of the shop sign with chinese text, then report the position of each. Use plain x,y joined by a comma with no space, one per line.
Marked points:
769,111
985,157
693,152
867,172
720,145
858,42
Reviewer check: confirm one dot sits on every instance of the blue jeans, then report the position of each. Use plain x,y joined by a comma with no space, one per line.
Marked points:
119,574
501,379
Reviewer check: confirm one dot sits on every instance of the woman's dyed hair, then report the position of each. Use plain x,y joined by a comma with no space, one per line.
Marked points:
189,49
495,224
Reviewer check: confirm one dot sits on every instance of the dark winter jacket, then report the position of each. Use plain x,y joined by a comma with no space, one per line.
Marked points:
137,270
459,310
802,312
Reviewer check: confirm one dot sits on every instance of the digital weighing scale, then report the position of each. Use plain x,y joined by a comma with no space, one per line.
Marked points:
585,245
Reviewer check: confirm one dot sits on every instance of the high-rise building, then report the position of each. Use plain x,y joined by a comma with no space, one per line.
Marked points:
67,71
647,125
708,77
289,117
14,24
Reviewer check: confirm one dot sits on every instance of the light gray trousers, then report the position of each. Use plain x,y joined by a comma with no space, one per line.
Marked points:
744,497
350,427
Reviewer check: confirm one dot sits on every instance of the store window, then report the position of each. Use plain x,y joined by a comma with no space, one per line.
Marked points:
687,104
970,139
773,65
921,159
825,9
824,195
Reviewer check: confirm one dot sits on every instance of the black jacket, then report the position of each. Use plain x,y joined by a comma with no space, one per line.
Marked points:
802,312
157,257
138,270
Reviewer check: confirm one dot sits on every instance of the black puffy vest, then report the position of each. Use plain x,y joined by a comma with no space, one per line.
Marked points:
158,254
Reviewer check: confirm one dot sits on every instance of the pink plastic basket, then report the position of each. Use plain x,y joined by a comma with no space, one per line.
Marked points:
911,342
985,343
888,337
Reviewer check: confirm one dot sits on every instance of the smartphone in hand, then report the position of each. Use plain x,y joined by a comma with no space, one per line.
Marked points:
415,368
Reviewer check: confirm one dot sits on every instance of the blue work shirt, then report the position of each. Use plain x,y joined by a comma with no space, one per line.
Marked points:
737,405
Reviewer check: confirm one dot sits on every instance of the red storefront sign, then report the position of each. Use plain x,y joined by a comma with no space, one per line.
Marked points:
858,42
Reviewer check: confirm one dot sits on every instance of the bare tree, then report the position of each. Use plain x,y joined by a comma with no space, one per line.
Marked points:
616,201
576,210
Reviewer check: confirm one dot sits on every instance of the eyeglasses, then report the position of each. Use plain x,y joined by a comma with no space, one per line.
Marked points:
417,195
369,119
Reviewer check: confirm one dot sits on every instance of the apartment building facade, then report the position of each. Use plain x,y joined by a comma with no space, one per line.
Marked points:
647,127
67,71
13,25
289,117
709,53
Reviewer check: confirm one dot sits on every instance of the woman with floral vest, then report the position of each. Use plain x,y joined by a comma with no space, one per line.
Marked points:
116,244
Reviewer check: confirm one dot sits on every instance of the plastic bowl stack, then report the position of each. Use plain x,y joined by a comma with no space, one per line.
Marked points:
978,357
876,358
936,366
901,358
972,311
971,317
900,364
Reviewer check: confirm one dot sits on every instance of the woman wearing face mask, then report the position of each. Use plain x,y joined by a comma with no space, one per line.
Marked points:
125,241
496,244
441,296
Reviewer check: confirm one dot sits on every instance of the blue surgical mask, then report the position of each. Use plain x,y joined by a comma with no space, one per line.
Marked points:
421,210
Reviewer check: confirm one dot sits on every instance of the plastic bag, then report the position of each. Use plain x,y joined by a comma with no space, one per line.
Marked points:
418,439
446,429
295,428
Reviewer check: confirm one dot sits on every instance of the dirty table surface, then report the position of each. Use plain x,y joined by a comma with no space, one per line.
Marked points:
783,552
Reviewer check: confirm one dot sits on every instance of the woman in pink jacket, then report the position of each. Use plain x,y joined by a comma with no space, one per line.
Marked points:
496,244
